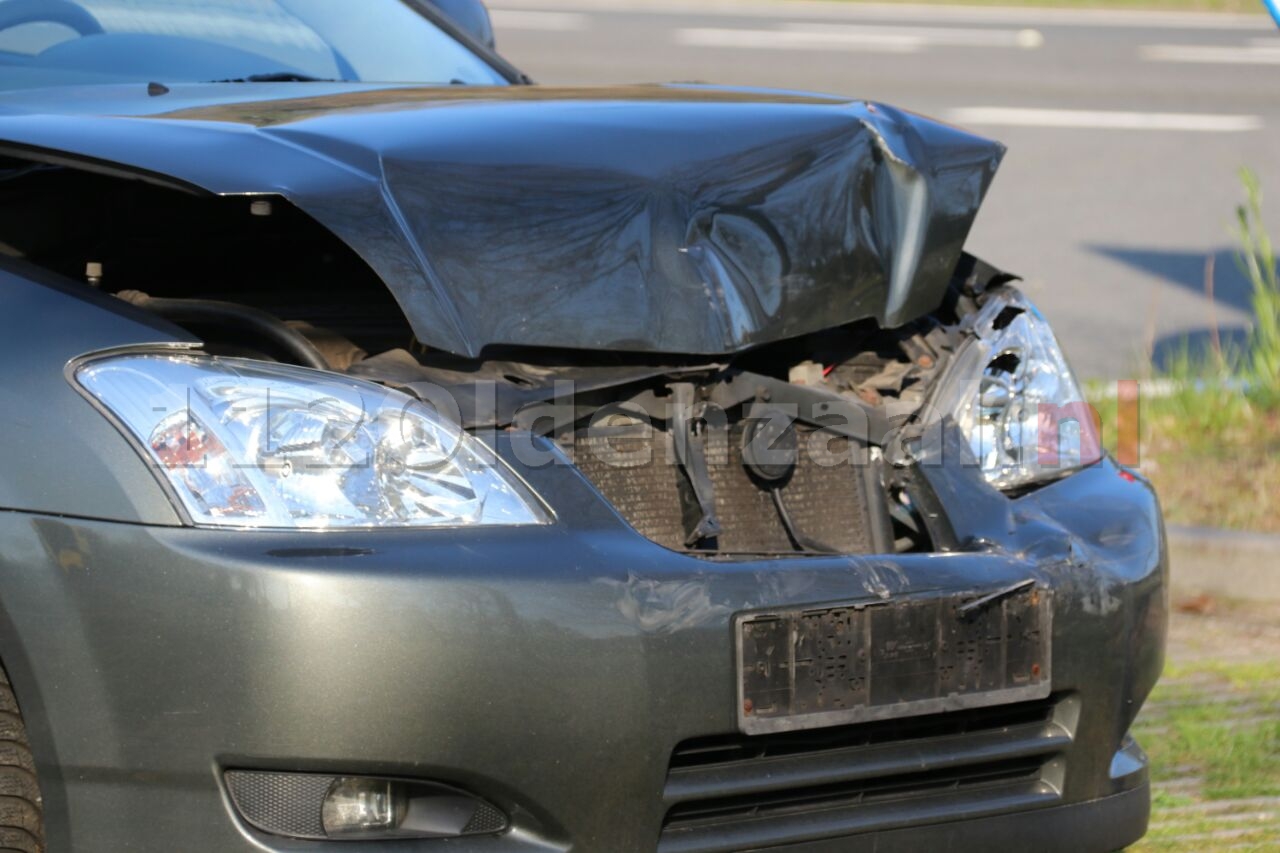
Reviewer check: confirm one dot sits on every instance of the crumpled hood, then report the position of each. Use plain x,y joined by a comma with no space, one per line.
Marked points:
648,219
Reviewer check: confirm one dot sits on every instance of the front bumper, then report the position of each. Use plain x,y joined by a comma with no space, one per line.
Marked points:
1107,823
552,671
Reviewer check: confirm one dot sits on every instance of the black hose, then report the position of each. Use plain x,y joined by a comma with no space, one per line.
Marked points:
252,320
802,542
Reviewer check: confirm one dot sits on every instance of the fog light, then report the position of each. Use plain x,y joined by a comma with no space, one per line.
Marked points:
305,805
357,806
367,807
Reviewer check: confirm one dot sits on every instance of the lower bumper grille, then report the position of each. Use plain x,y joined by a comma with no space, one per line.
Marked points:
739,792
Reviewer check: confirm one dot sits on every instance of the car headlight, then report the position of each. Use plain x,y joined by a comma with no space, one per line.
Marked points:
1014,398
248,444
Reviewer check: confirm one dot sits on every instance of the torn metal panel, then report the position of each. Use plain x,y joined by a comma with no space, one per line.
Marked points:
696,220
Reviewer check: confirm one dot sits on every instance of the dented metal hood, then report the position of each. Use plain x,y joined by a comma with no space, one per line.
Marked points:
648,219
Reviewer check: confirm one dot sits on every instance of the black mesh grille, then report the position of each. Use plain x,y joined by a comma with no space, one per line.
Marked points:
280,803
740,747
867,792
825,503
292,804
645,493
486,819
742,792
824,496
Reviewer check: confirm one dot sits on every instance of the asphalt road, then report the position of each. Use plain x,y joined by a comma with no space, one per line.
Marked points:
1125,130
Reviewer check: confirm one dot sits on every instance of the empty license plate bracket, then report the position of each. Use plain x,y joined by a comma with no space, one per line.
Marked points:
836,664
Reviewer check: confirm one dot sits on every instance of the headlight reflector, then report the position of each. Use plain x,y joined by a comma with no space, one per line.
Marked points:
250,444
1015,399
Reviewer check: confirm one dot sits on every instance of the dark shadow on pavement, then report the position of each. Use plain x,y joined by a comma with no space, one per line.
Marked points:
1186,270
1197,345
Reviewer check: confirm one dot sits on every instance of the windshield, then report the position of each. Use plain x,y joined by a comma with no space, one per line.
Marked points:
68,42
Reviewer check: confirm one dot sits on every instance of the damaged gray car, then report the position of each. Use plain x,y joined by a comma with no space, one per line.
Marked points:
454,463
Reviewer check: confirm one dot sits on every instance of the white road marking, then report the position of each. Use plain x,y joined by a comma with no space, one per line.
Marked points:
521,19
795,36
1103,119
790,40
1256,54
1025,38
928,14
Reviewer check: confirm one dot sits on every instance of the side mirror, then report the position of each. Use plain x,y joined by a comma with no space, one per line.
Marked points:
470,16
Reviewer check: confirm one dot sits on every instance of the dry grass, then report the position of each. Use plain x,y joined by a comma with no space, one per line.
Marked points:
1212,445
1224,477
1213,456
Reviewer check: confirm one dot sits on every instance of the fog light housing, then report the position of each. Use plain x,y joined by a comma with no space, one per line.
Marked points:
364,807
316,806
357,806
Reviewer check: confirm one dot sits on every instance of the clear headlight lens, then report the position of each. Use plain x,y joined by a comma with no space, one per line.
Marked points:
248,444
1015,399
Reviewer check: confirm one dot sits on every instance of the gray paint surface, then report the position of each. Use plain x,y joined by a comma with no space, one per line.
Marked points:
550,670
59,455
645,219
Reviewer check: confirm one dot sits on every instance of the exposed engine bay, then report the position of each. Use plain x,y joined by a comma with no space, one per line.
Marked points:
777,450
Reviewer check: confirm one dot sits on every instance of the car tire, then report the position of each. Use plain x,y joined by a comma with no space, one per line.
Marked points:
21,808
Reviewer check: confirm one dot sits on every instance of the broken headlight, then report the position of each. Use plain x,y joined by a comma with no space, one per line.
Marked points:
1014,398
247,444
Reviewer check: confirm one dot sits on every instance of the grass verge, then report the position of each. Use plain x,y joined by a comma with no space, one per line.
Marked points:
1211,442
1213,737
1212,455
